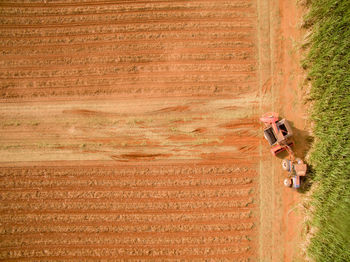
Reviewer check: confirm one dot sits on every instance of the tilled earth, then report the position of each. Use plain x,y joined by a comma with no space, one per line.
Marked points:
129,130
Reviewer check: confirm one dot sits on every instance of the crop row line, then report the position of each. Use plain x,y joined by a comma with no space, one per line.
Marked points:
109,246
136,258
85,223
233,41
144,167
128,7
88,75
147,241
159,86
124,180
48,181
139,50
133,218
116,200
155,198
110,185
122,170
148,31
139,41
187,210
225,63
244,10
132,228
168,234
131,199
163,28
97,3
142,66
241,235
119,19
155,212
131,6
120,177
139,21
127,87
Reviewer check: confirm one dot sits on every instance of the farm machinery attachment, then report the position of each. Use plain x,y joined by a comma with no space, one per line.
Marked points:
278,133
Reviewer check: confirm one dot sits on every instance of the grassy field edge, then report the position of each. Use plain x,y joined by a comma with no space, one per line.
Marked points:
328,65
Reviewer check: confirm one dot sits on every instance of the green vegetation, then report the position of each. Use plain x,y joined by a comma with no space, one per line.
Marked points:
328,63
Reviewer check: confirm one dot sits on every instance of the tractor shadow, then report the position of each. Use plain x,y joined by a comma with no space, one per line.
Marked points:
302,144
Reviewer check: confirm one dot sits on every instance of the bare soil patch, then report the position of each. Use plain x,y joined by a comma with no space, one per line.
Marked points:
130,130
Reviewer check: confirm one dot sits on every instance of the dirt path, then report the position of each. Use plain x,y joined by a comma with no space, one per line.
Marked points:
292,93
131,130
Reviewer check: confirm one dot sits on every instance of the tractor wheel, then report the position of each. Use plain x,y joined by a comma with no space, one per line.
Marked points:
286,165
287,182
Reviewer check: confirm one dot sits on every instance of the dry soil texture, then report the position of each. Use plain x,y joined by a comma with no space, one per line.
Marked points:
129,130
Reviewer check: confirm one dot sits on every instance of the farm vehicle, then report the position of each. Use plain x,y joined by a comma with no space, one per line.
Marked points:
279,134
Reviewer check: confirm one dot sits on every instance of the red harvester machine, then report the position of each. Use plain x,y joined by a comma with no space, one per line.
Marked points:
278,133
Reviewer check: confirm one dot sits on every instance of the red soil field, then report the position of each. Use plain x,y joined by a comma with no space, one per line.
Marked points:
129,131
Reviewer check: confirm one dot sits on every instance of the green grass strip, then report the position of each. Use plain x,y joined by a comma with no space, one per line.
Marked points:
328,64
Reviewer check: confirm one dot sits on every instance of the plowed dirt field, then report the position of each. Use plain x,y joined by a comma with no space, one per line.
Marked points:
129,131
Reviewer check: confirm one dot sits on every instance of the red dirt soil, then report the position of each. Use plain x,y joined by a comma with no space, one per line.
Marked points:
292,105
129,131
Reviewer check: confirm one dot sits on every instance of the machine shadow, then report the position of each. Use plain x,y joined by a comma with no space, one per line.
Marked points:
302,144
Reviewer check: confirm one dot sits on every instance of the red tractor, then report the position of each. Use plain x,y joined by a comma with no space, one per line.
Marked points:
296,169
278,133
